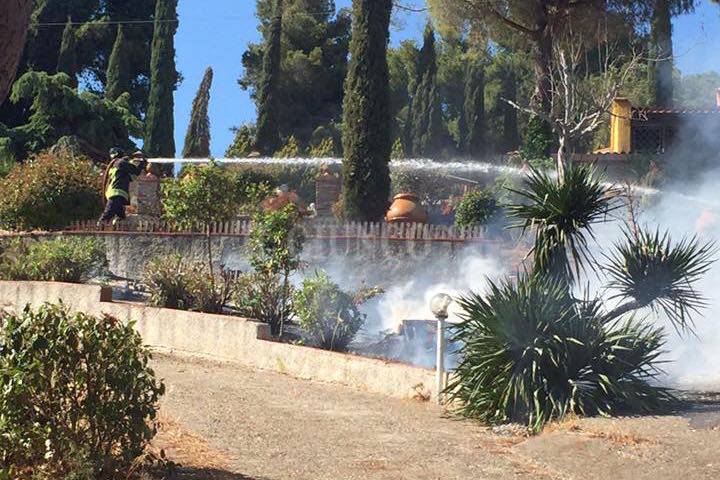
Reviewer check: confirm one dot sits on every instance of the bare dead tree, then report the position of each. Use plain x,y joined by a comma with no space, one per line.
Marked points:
581,99
14,20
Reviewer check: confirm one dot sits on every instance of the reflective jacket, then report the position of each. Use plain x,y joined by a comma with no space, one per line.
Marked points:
120,173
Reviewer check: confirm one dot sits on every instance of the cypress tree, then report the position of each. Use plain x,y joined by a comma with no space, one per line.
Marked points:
118,71
267,140
428,129
367,121
67,57
159,125
474,109
508,91
661,69
197,139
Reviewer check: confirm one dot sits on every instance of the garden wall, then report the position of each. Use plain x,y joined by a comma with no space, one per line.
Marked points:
227,338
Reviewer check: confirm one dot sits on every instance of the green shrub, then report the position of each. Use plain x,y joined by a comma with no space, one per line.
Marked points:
243,143
477,207
72,260
204,193
78,396
538,140
329,317
50,191
274,248
264,297
174,282
291,149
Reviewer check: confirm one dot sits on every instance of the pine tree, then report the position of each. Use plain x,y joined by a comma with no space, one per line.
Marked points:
474,110
67,57
118,71
267,140
367,121
159,125
428,128
197,139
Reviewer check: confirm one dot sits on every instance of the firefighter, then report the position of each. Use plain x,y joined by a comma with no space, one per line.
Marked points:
116,184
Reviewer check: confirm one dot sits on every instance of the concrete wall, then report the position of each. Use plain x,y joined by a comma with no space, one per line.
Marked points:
227,338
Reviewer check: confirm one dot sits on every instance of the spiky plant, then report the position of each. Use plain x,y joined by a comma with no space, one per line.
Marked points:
649,270
532,352
561,213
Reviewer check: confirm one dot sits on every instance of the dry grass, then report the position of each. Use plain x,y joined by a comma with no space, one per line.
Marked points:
571,424
185,447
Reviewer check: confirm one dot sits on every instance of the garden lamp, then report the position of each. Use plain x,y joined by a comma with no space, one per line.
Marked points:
439,306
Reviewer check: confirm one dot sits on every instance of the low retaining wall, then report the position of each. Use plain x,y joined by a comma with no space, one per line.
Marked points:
227,338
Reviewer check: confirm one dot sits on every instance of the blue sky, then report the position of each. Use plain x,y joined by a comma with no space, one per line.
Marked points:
216,32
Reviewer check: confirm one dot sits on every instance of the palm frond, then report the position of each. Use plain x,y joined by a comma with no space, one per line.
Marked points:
562,212
652,270
531,353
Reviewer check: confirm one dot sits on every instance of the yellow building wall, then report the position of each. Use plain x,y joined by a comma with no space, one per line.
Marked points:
620,128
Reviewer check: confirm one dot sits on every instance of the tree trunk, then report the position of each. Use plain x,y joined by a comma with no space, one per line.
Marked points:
14,19
561,157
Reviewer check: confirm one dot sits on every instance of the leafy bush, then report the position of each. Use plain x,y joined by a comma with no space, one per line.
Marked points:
175,282
538,140
50,191
72,260
300,178
204,193
476,208
275,244
243,143
77,393
330,318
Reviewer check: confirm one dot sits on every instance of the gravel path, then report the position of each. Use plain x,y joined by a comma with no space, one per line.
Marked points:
270,426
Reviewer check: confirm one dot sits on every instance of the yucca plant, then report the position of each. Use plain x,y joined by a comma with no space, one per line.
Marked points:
561,213
649,270
531,352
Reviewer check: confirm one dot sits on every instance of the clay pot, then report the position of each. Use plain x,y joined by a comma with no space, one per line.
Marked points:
406,208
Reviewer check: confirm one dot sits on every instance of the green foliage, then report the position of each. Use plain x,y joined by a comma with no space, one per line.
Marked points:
698,90
367,124
67,58
530,353
243,143
73,260
299,178
78,395
428,128
204,193
159,122
398,151
175,282
49,191
477,207
291,149
313,65
197,139
118,70
538,140
324,149
429,186
267,139
330,318
653,271
58,110
274,247
562,215
474,144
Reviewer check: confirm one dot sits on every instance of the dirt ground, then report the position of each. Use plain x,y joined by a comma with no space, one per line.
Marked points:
231,423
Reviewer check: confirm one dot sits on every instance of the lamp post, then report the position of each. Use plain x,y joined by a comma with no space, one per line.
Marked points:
439,306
